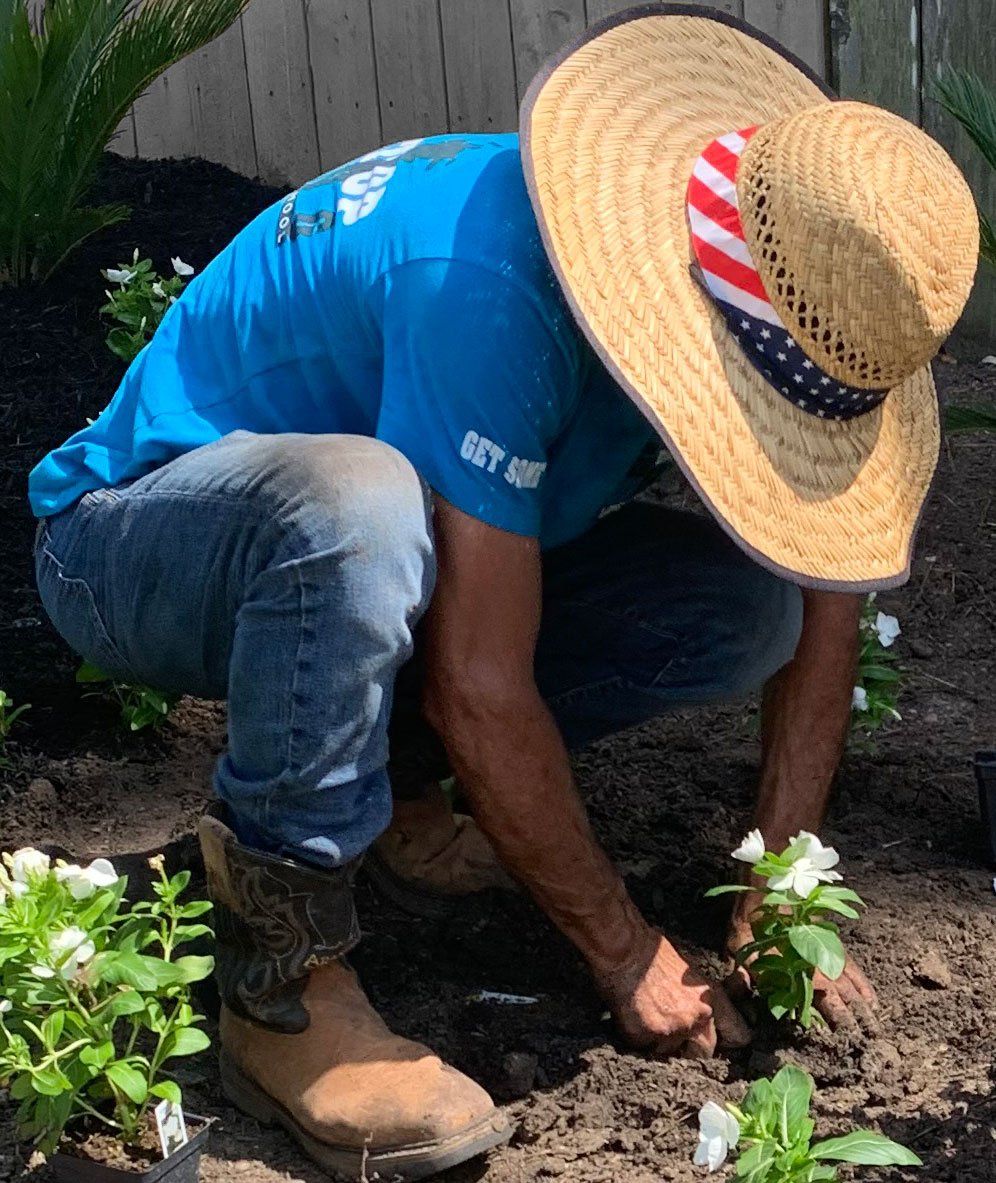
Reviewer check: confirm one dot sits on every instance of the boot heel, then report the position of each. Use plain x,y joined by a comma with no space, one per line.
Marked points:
244,1094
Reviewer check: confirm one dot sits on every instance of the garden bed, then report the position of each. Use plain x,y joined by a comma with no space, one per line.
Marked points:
670,800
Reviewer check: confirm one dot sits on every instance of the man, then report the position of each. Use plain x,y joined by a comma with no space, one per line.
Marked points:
422,382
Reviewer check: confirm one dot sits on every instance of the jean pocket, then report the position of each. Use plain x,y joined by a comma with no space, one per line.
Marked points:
72,608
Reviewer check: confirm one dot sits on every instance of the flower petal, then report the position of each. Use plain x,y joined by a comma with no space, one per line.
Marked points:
751,849
101,873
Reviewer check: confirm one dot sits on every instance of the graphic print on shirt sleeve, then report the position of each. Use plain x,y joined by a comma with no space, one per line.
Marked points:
361,185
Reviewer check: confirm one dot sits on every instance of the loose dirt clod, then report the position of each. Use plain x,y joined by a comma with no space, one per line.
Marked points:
932,971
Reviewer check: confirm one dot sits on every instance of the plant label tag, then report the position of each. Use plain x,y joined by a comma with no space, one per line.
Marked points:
172,1127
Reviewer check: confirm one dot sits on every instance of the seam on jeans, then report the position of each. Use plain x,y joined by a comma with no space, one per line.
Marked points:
292,721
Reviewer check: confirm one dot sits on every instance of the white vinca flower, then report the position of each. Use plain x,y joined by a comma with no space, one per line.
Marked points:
159,290
811,866
887,628
115,275
71,949
84,881
859,699
6,1006
719,1132
180,267
26,864
751,850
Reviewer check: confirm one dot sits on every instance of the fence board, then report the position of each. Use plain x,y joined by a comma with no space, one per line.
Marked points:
480,70
601,8
539,29
200,107
123,142
341,48
956,33
875,53
799,25
281,90
410,80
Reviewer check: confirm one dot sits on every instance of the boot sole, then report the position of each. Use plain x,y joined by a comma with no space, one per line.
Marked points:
398,1165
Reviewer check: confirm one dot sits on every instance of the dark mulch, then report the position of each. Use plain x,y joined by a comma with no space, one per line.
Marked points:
668,798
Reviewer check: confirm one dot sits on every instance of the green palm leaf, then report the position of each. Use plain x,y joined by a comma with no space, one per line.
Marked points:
967,98
65,85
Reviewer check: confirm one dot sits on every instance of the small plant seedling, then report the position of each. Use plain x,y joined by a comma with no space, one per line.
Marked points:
793,933
139,302
878,679
141,706
95,1001
9,714
774,1133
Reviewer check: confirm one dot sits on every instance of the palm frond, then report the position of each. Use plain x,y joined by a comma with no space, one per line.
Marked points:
64,88
967,98
958,419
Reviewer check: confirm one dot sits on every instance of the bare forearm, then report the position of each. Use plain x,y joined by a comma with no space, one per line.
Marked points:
512,763
805,719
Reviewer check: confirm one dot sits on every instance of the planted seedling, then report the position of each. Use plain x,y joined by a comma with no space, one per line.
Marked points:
773,1132
141,706
95,1002
878,679
9,714
793,933
139,302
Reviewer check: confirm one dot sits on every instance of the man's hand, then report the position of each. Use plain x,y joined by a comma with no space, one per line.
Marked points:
481,697
848,1002
662,1006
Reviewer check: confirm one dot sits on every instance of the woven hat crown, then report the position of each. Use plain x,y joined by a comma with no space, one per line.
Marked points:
865,236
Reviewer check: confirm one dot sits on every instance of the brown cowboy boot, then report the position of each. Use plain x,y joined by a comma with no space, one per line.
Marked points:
301,1046
430,856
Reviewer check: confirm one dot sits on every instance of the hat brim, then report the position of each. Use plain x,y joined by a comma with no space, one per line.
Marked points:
610,130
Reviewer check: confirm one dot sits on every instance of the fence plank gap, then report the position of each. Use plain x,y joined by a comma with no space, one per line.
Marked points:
409,57
480,71
341,45
539,29
281,91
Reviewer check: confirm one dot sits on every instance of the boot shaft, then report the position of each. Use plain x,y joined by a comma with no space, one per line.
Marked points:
275,921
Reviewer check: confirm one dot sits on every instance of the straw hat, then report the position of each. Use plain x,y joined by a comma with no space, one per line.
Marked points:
766,272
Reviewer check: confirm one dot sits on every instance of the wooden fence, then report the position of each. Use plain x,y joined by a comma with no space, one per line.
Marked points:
297,86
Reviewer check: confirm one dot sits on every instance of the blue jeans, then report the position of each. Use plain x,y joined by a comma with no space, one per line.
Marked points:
287,573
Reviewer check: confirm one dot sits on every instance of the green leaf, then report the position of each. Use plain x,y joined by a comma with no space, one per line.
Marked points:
727,889
52,1027
820,947
793,1091
194,969
139,970
88,673
778,899
753,1165
838,906
125,1002
128,1079
186,1042
98,1055
867,1148
169,1090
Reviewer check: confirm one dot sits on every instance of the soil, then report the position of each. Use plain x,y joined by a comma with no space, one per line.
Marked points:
139,1156
669,799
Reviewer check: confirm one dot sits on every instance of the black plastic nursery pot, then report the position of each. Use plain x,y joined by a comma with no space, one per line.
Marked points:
985,778
182,1166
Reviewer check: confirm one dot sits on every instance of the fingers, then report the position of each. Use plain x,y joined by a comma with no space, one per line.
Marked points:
864,988
847,1002
731,1028
701,1043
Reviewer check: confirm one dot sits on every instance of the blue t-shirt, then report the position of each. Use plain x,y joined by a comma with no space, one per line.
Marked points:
405,296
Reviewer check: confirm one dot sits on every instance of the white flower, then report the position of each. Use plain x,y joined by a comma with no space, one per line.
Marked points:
719,1132
27,863
887,628
119,276
811,863
751,850
70,949
158,290
6,1006
84,881
180,267
859,699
